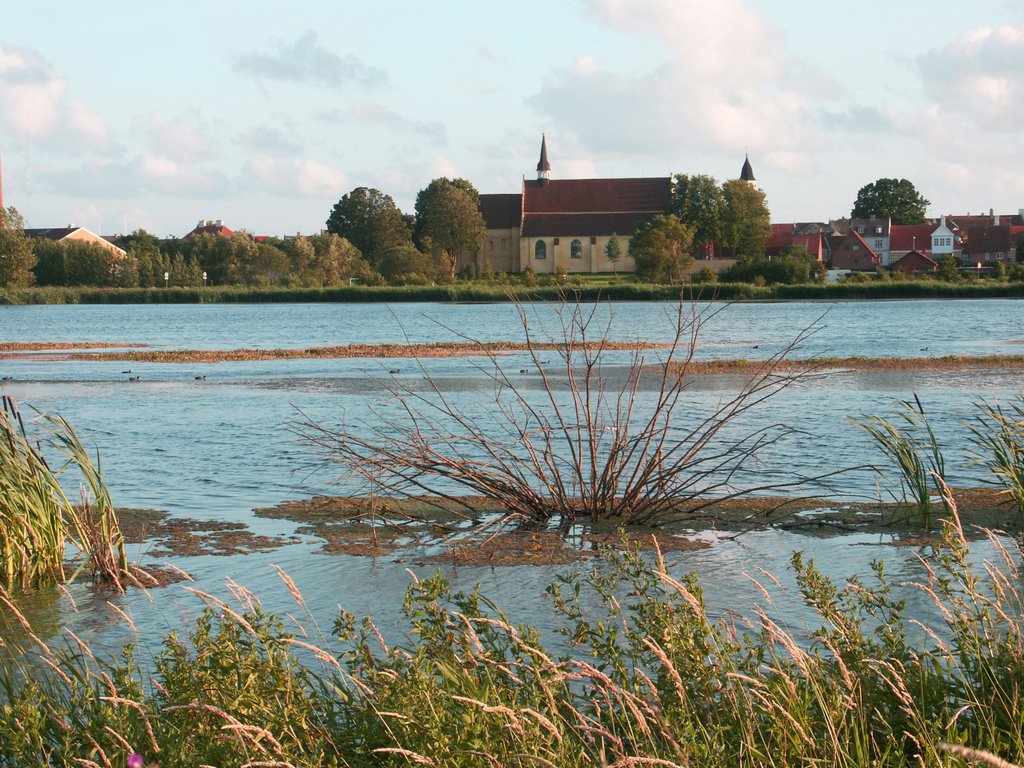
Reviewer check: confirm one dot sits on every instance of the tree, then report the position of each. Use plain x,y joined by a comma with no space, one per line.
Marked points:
405,264
613,251
895,199
17,259
948,272
448,218
369,220
746,221
425,201
699,202
661,249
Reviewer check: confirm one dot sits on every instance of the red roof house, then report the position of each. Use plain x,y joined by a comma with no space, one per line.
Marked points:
853,253
916,261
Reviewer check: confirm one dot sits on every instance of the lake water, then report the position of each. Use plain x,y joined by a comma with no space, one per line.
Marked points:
220,447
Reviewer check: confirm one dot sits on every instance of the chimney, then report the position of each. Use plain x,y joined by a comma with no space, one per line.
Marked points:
995,223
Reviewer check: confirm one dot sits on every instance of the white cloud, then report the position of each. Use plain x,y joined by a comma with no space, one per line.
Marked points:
166,175
725,83
34,104
180,140
304,178
979,78
306,61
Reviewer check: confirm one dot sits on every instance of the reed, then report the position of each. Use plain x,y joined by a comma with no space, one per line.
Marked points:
38,522
998,436
650,678
912,446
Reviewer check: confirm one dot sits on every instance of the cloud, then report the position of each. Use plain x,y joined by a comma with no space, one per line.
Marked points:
304,178
979,77
372,113
306,61
34,104
142,175
179,140
726,83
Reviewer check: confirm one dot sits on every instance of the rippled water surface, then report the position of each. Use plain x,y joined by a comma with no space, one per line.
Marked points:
219,447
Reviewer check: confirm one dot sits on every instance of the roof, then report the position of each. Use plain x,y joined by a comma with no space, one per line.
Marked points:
574,196
501,211
905,237
987,239
58,233
583,224
543,164
208,227
915,261
747,172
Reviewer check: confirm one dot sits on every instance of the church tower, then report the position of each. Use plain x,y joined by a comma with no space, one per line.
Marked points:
543,166
747,173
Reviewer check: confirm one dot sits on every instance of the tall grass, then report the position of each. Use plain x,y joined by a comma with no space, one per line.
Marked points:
911,444
650,678
998,436
38,522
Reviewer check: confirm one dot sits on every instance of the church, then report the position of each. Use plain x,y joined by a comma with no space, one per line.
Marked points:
567,224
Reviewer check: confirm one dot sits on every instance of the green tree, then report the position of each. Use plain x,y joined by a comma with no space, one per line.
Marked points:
405,264
425,200
448,218
895,199
369,220
699,202
948,270
746,221
613,251
17,258
661,249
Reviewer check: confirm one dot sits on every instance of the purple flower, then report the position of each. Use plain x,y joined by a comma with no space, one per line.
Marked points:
136,761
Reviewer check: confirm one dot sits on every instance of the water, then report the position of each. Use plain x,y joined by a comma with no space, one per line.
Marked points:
217,448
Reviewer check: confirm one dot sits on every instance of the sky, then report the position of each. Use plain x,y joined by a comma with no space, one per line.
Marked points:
120,116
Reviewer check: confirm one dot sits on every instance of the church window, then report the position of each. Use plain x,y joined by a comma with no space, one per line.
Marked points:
540,251
576,249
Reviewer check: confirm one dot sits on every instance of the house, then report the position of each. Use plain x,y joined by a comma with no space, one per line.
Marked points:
915,261
567,224
210,227
852,252
875,232
990,243
73,234
905,238
785,237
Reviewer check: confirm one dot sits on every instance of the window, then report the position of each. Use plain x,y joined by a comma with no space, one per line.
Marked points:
576,250
504,245
879,244
540,251
999,254
492,246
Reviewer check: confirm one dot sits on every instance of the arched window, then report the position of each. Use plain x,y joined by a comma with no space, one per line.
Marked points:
576,249
540,251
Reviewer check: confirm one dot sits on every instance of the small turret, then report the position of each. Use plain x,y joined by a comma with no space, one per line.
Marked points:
543,166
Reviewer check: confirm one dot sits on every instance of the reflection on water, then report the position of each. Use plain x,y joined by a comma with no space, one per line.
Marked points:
219,447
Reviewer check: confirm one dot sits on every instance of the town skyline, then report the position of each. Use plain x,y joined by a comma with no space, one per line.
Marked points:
117,118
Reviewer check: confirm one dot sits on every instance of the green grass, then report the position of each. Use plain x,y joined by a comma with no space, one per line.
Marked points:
650,678
38,522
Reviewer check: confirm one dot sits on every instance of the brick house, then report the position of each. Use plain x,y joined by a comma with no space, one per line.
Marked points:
852,252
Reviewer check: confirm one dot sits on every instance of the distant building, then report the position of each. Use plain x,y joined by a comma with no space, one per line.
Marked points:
210,227
914,262
73,234
568,223
852,252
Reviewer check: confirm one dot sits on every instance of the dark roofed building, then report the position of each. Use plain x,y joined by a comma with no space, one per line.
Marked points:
73,234
915,261
568,222
210,227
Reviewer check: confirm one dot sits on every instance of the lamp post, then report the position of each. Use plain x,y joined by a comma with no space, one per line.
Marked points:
167,276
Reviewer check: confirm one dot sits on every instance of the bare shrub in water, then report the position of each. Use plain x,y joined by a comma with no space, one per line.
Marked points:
38,521
577,439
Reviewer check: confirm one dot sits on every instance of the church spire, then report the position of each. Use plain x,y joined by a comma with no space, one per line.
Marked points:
747,173
543,166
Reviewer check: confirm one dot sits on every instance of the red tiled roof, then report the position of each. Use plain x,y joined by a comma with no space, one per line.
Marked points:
501,211
905,237
582,224
644,195
987,240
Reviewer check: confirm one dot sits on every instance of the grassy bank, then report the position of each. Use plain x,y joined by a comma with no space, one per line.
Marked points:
652,678
484,292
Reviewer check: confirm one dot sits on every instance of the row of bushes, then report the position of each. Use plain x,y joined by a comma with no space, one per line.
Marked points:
469,292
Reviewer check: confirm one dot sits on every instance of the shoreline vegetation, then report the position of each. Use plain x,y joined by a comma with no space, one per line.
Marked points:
585,289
